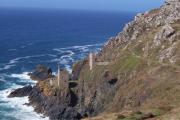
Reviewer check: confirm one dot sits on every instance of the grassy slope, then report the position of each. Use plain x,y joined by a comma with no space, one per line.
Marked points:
146,84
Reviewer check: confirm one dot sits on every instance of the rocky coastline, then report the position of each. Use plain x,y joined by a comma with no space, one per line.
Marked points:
142,76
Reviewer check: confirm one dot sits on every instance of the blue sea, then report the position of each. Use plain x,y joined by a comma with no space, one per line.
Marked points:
50,37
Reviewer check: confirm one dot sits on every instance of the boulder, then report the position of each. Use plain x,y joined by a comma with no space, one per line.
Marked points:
21,92
167,33
41,73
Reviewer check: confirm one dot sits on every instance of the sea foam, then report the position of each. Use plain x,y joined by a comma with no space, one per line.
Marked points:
24,112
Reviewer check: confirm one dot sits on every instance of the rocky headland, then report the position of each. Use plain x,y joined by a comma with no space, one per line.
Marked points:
140,82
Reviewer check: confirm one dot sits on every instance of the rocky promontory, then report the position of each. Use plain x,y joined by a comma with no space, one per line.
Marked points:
136,75
41,73
21,92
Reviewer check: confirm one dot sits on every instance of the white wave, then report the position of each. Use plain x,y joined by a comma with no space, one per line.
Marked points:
21,112
58,50
76,47
85,49
54,73
19,58
13,62
29,44
65,59
23,77
56,60
62,61
70,57
23,46
70,52
7,66
27,57
12,49
68,68
2,79
51,55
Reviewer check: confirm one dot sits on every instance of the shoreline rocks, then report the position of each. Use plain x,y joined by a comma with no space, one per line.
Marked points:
41,73
124,84
57,106
21,92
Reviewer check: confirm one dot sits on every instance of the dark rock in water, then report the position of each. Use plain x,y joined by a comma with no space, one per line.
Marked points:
41,73
21,92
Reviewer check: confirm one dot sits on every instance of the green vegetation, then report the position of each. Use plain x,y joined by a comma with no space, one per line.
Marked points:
159,112
126,65
145,82
135,116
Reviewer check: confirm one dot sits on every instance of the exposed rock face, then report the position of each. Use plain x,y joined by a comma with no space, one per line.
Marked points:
77,68
21,92
142,57
57,106
167,33
167,54
41,73
64,79
172,1
167,14
143,73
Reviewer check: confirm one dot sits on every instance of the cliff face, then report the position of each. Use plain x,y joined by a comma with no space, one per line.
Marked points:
144,69
141,81
57,104
157,18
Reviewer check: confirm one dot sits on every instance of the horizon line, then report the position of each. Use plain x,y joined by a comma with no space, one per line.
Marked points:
72,9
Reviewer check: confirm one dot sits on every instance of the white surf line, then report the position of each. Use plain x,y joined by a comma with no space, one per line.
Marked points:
12,62
23,112
77,47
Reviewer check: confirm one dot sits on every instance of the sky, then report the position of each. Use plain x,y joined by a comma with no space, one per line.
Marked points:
102,5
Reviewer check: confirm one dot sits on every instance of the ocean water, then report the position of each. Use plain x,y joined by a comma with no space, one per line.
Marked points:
49,37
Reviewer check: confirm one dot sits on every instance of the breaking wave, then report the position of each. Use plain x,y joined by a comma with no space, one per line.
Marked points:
16,106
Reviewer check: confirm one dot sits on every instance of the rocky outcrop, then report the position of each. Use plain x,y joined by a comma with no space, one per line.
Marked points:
142,74
58,106
21,92
77,67
167,33
41,73
165,15
140,71
138,58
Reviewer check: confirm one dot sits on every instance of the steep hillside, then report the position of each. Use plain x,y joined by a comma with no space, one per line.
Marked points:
144,70
136,76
